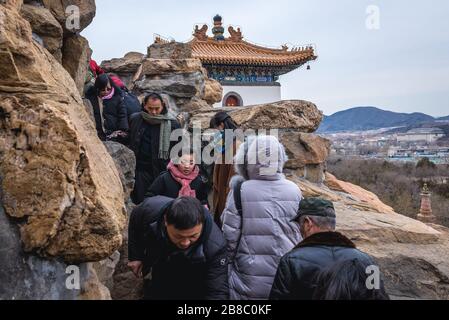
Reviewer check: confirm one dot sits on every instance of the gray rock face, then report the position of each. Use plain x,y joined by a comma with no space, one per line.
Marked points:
46,26
59,8
114,272
105,269
173,50
126,68
170,71
27,277
125,162
183,85
76,55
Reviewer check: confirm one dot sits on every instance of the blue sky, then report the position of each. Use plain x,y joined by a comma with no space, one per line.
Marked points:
403,66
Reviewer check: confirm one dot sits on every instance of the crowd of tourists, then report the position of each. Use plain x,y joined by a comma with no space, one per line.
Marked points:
238,231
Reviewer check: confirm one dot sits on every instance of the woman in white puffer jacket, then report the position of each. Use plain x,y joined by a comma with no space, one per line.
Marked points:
263,232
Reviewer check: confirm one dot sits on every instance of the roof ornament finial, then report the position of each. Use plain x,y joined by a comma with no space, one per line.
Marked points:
235,35
218,29
201,34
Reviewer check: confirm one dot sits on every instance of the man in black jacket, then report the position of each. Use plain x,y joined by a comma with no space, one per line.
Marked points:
150,130
299,271
179,251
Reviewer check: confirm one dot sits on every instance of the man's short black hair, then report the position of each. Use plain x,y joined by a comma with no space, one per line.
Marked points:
185,213
153,96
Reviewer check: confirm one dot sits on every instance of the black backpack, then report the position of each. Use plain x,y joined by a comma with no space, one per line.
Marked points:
238,204
132,104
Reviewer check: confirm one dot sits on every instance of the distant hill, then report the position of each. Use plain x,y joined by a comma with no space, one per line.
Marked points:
444,118
371,118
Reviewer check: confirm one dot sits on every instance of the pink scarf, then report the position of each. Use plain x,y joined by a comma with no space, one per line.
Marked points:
110,95
184,180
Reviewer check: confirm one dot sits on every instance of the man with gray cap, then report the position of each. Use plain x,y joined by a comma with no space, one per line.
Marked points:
322,247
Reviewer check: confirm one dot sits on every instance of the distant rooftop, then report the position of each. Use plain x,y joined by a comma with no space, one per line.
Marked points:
426,131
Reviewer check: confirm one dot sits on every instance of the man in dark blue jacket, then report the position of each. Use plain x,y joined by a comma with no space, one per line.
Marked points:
299,271
179,251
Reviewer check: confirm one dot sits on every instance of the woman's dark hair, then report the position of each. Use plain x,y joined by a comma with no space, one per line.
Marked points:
102,82
225,118
187,147
185,213
346,280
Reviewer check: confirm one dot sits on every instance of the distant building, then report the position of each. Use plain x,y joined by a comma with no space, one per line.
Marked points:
428,135
248,73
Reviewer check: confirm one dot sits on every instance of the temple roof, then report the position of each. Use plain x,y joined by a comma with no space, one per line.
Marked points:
229,51
234,50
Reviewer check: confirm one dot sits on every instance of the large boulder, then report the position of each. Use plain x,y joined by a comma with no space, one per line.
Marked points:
125,162
171,50
114,272
179,85
307,154
60,10
57,178
305,148
75,59
300,115
170,70
213,91
28,277
293,115
126,67
158,67
44,24
358,192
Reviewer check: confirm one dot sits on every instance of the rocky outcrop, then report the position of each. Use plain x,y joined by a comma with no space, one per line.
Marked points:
52,22
58,181
61,11
158,67
76,57
294,115
114,272
125,162
213,91
44,24
307,154
300,115
170,50
410,254
29,277
126,68
357,192
169,70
